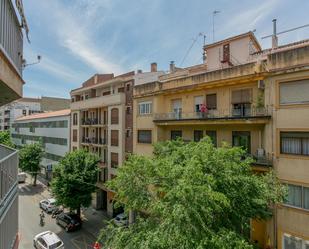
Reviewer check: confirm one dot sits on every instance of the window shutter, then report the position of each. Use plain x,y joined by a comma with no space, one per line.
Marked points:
114,160
114,116
114,137
242,96
211,101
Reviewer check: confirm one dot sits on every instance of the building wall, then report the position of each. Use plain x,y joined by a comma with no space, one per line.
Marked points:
56,148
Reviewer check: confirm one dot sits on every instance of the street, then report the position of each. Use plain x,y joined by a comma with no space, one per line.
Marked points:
29,197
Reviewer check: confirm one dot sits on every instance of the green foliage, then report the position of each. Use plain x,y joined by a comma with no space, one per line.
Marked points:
193,195
30,157
5,138
75,179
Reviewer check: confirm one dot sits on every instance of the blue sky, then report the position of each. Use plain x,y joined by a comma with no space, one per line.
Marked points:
78,38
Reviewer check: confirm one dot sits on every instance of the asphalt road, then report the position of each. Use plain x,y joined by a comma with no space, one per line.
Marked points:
29,211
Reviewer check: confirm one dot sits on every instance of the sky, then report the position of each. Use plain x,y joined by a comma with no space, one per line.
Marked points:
78,38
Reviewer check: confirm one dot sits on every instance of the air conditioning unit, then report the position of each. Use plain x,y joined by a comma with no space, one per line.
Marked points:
261,84
260,152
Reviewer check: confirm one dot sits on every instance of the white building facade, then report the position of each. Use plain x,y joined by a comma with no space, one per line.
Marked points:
52,129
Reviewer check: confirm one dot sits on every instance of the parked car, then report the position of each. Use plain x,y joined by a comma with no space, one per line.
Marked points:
22,177
48,205
121,220
47,240
69,221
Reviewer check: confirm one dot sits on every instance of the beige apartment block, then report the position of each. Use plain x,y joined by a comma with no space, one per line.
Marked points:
244,96
101,112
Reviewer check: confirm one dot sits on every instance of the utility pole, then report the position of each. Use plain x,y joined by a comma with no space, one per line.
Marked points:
213,23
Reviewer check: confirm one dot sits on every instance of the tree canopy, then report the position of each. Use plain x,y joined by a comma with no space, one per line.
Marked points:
30,157
191,195
5,138
75,179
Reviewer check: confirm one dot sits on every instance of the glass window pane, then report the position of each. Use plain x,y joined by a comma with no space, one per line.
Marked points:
305,198
294,195
291,145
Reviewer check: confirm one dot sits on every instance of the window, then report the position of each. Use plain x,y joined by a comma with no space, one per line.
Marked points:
74,148
298,196
294,92
128,133
128,109
128,87
114,160
292,242
242,96
242,139
121,89
211,101
114,137
198,101
145,108
31,129
213,136
198,135
176,134
226,53
114,116
24,112
74,135
75,119
144,136
296,143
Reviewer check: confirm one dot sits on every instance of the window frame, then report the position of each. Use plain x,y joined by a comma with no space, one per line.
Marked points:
286,82
302,198
301,143
145,103
149,141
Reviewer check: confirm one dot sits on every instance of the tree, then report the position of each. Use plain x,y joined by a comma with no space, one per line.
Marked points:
30,157
75,179
5,138
191,195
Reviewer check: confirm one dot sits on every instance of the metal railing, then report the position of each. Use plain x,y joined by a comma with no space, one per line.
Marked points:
265,159
8,196
232,113
11,37
92,121
94,140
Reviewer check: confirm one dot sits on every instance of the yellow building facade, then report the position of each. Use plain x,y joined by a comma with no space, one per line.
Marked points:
243,96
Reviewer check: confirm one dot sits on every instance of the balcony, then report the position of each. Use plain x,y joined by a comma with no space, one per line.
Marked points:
99,101
264,160
8,196
94,141
92,121
254,115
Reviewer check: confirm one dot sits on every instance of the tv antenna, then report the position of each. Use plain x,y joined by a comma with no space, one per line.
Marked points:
214,13
194,40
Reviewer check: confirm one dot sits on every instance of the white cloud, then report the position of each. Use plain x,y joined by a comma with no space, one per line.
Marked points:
75,27
247,19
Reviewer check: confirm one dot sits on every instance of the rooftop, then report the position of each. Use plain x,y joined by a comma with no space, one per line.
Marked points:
64,112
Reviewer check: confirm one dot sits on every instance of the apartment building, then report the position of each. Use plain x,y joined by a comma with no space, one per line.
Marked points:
11,87
101,112
50,128
244,96
27,106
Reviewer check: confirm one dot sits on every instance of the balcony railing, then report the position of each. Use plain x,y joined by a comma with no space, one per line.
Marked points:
92,121
8,196
94,140
11,38
215,114
264,159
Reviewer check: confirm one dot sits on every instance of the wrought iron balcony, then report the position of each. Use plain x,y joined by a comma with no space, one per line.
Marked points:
264,159
94,140
218,114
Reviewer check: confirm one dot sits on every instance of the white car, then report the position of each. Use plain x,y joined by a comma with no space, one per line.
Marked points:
121,220
22,177
47,240
48,205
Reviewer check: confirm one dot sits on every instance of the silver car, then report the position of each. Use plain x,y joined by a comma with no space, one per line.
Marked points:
47,240
48,205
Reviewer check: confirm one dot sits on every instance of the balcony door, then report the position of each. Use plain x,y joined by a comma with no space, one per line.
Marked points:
242,139
177,108
241,102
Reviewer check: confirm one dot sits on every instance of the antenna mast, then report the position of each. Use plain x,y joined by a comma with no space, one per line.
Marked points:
215,12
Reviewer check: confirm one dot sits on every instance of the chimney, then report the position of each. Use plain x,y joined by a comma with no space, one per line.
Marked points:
274,36
153,67
172,66
139,71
